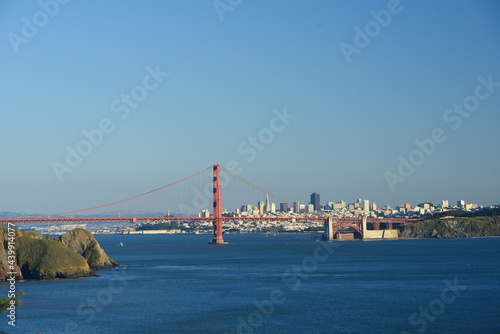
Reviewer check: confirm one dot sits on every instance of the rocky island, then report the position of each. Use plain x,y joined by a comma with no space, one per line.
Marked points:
74,254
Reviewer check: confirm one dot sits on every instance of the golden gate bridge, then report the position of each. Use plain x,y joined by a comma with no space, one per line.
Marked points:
200,192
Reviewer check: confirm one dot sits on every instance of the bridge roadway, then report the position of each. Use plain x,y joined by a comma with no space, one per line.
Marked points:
81,220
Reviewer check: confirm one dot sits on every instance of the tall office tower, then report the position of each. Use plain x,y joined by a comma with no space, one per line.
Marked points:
296,207
315,201
273,208
261,205
461,203
366,205
444,203
284,207
268,206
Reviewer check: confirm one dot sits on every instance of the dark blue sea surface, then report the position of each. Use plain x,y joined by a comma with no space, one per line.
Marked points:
273,284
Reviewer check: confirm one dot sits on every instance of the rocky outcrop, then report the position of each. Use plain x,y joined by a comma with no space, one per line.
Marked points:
84,243
4,250
452,228
74,254
46,259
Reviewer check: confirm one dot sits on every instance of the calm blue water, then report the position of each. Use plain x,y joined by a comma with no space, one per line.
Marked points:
274,284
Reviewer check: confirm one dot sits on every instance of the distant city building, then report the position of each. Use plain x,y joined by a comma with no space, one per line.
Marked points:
204,214
461,204
374,207
284,207
273,208
310,208
444,203
366,205
470,206
339,206
268,206
296,207
315,201
261,206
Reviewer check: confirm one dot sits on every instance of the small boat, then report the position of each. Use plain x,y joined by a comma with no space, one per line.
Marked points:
121,244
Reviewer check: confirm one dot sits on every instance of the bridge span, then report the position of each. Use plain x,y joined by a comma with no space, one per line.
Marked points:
214,185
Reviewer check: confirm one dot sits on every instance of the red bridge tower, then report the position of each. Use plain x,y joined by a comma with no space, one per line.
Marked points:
217,208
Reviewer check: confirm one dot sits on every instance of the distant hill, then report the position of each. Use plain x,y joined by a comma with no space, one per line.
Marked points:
10,215
128,213
457,227
495,212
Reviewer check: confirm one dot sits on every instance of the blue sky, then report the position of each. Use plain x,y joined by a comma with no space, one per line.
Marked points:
353,119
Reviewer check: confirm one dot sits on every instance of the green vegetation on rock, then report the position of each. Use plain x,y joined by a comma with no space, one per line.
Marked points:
84,243
72,255
45,259
457,227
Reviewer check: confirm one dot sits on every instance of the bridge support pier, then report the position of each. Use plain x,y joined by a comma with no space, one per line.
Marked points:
217,209
364,226
328,232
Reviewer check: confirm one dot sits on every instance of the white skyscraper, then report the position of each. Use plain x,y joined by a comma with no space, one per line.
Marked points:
261,206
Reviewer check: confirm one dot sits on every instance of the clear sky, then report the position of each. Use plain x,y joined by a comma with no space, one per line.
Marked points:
361,81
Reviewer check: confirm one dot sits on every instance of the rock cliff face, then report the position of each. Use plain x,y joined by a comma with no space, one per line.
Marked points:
72,255
4,264
84,243
45,259
452,228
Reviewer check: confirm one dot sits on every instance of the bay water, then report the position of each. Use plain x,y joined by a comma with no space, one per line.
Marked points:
282,283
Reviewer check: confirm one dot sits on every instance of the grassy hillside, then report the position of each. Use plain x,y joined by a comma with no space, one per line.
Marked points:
44,259
458,227
72,255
